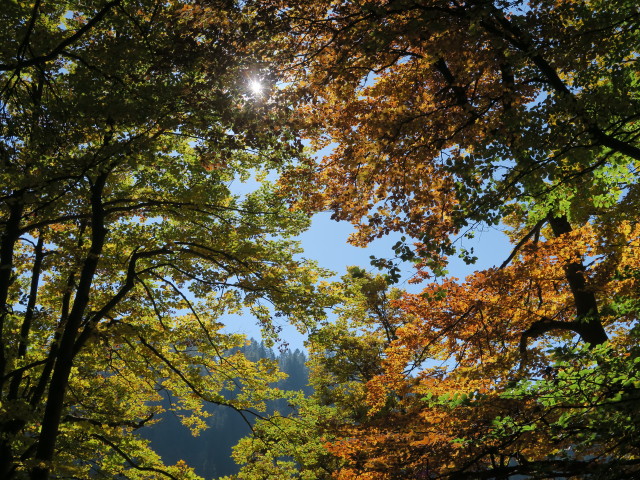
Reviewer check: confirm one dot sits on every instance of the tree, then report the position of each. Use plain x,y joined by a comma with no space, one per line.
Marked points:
469,97
443,116
210,452
124,125
479,392
345,354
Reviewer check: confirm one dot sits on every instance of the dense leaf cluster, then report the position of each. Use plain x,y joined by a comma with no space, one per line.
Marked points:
125,246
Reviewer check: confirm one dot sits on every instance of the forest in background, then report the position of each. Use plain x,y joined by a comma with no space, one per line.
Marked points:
127,246
209,453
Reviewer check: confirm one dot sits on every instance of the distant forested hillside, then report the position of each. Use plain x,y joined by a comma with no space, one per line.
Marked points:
209,453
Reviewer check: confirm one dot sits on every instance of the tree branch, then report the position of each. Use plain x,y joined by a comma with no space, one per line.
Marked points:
20,64
540,327
28,314
588,324
508,31
130,460
535,230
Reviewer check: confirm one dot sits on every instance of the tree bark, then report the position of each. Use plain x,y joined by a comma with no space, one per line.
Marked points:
28,314
64,359
587,323
7,245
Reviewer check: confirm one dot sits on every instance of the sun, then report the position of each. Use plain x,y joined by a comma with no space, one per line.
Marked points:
255,86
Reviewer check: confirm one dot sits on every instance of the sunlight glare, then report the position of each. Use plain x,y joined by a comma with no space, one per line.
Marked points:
255,86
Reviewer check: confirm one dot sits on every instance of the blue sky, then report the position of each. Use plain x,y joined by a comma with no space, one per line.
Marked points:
326,242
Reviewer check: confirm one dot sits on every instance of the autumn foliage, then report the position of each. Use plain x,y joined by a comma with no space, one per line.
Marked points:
440,117
124,247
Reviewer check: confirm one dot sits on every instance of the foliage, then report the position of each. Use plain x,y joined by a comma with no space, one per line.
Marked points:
125,126
486,380
209,453
438,117
123,246
442,114
345,353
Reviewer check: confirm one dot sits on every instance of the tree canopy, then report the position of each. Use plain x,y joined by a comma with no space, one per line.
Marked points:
125,124
124,127
444,117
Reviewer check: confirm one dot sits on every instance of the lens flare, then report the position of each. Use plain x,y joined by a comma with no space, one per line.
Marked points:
255,86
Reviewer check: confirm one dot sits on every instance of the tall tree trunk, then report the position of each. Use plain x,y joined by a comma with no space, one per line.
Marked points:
7,245
28,314
8,240
64,359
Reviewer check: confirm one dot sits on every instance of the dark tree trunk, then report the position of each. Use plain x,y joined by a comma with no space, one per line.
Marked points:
587,324
64,358
7,245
